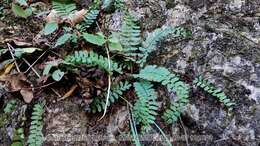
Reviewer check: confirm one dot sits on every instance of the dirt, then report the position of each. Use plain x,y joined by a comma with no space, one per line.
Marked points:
224,47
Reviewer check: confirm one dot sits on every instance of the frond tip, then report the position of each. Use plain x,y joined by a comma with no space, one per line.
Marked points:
145,108
212,90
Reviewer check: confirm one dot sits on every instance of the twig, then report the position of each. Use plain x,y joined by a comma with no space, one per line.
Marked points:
35,61
10,48
186,136
109,78
31,68
109,83
56,92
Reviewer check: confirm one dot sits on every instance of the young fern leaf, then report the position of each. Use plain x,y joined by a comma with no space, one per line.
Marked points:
91,58
99,103
145,107
173,84
62,8
212,90
36,136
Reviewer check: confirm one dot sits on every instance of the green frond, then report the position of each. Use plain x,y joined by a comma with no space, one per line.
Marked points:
212,90
90,18
130,33
119,4
36,136
145,107
156,36
63,8
173,84
117,90
9,107
18,137
91,58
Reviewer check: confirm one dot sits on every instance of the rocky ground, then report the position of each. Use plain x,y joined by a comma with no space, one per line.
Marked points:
224,47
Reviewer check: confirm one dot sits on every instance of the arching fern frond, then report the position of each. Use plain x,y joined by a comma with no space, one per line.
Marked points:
173,84
91,58
36,136
63,8
156,36
212,90
145,107
99,103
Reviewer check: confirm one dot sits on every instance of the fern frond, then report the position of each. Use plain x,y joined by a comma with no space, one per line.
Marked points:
91,58
36,135
145,107
131,40
119,4
212,90
90,18
63,8
130,33
99,103
173,84
156,36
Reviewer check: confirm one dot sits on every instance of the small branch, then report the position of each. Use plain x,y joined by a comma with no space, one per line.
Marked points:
109,83
10,48
186,136
31,68
35,61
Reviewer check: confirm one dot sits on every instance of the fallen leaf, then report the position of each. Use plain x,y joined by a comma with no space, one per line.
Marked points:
68,94
18,52
21,43
6,70
27,95
53,17
15,82
18,83
78,17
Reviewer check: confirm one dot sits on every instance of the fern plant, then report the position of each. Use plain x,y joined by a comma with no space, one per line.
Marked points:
173,84
214,91
145,107
138,51
36,135
63,8
91,58
117,91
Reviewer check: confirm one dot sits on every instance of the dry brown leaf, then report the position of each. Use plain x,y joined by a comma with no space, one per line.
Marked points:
78,17
53,17
18,82
21,43
68,94
6,70
27,95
